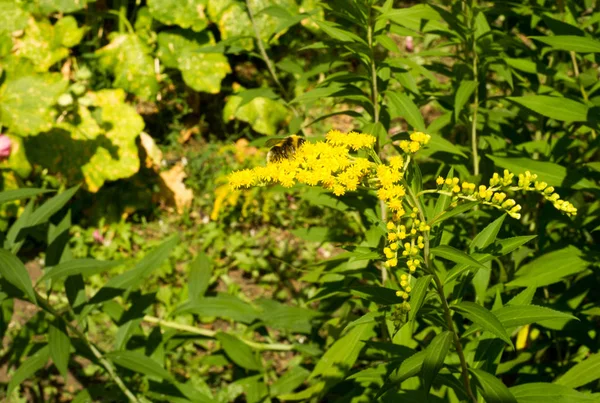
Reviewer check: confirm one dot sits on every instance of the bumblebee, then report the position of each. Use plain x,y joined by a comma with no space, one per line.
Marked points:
283,148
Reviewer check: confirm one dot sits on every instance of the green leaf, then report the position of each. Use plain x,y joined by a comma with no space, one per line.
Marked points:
263,114
60,345
339,34
239,352
19,194
29,367
379,295
401,105
488,235
492,389
12,18
520,315
291,379
574,43
43,213
68,33
187,14
417,295
484,318
342,354
549,172
455,255
130,61
14,271
222,306
542,392
42,44
439,144
550,268
435,353
200,272
463,93
408,368
461,208
557,108
581,374
97,151
85,267
284,317
26,103
139,362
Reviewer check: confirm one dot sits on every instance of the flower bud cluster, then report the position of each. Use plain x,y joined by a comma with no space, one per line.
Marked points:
417,140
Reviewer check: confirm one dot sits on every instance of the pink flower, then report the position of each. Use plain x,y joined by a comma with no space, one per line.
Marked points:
408,44
98,236
5,144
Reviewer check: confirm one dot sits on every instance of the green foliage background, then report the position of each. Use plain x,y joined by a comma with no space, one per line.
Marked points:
278,295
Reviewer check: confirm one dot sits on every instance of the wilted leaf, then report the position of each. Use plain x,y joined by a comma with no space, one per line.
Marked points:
130,62
173,188
186,14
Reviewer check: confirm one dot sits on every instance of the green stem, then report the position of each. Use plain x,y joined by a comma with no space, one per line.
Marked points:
440,289
475,110
212,334
99,356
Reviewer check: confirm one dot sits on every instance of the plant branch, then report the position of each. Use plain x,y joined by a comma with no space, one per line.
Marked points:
99,356
475,110
440,289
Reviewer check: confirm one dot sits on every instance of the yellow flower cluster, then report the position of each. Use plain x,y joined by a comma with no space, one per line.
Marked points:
352,140
417,140
327,164
494,196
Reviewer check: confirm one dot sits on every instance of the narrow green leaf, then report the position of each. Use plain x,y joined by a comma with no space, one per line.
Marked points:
369,317
239,352
492,389
19,194
461,208
435,353
139,362
29,367
60,346
463,93
439,144
488,235
581,374
85,267
408,368
549,172
292,379
484,318
557,108
401,105
200,272
541,392
280,316
222,306
519,315
574,43
550,268
340,34
417,295
14,271
455,255
524,297
51,206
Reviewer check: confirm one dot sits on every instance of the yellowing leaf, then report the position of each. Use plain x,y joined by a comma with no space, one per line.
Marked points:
174,190
186,14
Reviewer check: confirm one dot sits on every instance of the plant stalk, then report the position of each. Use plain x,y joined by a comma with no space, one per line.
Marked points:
475,110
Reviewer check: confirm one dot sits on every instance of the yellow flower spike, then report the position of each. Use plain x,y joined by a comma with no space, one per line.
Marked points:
405,295
549,190
392,236
413,231
455,181
408,289
456,189
240,179
399,293
554,197
391,226
439,181
414,146
392,262
397,162
508,204
417,222
448,181
405,253
540,186
412,269
404,277
415,210
403,283
394,246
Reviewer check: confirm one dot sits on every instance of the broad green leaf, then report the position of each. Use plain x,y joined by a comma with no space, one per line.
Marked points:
29,367
239,352
541,392
68,32
263,114
574,43
550,268
418,17
488,235
557,108
484,318
340,357
581,374
130,61
85,267
42,44
455,255
400,104
14,271
139,362
289,381
284,317
27,103
17,161
12,17
408,368
549,172
186,14
200,272
519,315
435,353
463,93
60,345
43,213
19,194
222,306
492,389
417,295
97,152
